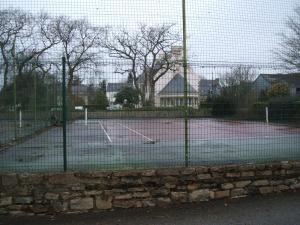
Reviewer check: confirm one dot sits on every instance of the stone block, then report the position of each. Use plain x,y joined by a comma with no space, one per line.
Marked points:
104,203
204,176
148,173
161,192
188,171
9,180
291,181
217,168
126,204
82,203
222,194
233,175
63,179
69,195
179,196
238,192
266,190
261,183
227,186
123,196
241,184
59,206
168,172
281,187
163,202
247,174
264,173
199,195
295,164
129,173
169,180
5,201
295,186
192,187
201,169
51,196
31,179
141,195
39,208
136,189
23,200
92,193
78,187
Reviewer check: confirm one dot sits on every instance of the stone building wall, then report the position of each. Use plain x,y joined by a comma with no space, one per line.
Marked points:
94,191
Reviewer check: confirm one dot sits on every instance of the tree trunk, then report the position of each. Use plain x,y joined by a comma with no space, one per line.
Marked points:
149,93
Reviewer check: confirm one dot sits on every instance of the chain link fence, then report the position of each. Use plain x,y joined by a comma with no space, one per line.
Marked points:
132,84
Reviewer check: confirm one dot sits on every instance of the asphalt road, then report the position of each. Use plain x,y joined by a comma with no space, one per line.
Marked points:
278,209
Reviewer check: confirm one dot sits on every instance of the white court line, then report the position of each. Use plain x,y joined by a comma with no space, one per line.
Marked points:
238,138
108,137
149,139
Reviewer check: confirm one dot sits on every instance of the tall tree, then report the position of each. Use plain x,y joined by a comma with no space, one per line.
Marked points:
12,22
237,84
289,53
33,41
80,41
148,52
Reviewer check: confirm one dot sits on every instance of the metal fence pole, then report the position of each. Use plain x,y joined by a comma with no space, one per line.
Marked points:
15,92
64,112
186,110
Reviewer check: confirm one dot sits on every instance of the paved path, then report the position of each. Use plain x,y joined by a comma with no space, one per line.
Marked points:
278,209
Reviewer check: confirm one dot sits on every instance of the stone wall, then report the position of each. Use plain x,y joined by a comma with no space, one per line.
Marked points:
93,191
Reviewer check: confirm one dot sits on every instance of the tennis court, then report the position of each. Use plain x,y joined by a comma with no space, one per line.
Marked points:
145,143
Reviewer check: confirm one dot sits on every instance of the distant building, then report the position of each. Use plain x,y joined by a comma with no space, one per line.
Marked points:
80,94
209,88
169,89
172,94
112,89
265,81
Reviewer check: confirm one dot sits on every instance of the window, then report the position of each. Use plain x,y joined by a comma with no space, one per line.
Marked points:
298,91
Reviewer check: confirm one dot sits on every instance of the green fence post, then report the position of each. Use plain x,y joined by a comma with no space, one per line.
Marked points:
186,110
64,112
15,94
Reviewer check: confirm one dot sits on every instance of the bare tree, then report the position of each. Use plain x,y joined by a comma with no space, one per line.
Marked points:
148,55
80,41
11,24
289,53
238,76
237,85
34,40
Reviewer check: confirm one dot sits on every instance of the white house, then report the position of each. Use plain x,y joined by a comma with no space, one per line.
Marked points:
265,81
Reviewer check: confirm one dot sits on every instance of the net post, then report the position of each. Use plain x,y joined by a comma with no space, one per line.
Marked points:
267,114
20,117
86,111
64,113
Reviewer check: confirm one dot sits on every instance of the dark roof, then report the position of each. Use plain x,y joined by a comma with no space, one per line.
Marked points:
208,83
291,79
115,87
79,89
176,86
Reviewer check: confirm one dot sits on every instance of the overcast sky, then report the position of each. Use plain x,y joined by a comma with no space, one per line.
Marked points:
233,31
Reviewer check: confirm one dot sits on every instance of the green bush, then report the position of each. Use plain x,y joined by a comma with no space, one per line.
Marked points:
284,108
223,107
258,111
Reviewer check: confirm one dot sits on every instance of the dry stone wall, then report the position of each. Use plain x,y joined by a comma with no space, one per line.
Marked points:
93,191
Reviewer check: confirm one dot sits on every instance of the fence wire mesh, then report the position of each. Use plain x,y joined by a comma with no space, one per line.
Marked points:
132,101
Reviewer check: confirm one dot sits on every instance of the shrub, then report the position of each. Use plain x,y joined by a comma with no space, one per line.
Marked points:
223,107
